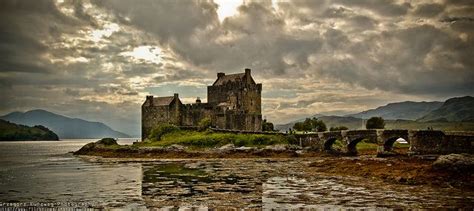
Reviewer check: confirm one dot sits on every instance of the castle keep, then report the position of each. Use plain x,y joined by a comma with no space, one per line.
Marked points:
234,102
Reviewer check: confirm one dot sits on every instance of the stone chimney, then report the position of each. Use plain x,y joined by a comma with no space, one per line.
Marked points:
220,75
176,96
247,71
149,98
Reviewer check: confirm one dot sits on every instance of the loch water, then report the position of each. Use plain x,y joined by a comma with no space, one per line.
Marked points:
46,173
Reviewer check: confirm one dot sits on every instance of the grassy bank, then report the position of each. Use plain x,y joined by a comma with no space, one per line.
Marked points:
207,139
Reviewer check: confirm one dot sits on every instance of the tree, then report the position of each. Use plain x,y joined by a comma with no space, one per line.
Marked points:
338,128
161,129
310,124
267,126
298,126
319,125
203,124
375,123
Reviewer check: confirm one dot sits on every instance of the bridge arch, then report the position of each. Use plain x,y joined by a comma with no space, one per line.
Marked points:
352,146
388,143
328,144
388,139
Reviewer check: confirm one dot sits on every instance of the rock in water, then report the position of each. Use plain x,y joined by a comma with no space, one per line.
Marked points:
454,162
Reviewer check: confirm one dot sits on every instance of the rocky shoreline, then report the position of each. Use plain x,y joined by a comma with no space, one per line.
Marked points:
455,170
178,151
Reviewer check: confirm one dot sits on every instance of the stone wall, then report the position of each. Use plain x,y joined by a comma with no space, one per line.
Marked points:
422,142
438,142
192,114
153,115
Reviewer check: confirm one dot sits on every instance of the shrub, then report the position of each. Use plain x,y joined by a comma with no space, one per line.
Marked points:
375,123
107,141
291,139
204,124
160,130
267,126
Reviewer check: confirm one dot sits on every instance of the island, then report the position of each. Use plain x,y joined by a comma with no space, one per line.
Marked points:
16,132
230,126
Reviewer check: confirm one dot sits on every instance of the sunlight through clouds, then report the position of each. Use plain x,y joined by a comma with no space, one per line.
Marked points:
146,53
107,31
227,8
311,56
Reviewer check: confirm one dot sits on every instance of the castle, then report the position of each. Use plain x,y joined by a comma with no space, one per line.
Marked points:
234,102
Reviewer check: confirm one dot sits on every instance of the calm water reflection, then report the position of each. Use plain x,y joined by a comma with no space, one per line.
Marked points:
46,172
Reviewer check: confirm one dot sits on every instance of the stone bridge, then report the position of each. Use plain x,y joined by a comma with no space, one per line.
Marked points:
422,142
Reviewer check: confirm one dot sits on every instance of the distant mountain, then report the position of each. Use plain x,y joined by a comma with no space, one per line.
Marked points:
458,109
65,127
454,114
403,110
13,132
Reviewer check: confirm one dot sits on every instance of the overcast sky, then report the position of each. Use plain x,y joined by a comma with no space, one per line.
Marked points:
98,59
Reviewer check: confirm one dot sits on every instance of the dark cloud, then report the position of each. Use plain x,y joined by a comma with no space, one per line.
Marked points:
429,10
313,56
384,8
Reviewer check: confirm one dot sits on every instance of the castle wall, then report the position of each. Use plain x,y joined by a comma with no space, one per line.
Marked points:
154,115
239,104
235,120
251,99
192,114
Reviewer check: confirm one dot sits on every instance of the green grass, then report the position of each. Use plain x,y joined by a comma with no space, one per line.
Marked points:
208,139
366,146
399,145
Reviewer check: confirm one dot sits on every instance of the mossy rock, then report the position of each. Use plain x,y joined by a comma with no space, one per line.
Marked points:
107,141
85,149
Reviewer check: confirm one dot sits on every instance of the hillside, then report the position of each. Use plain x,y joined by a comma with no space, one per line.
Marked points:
458,109
402,110
65,127
13,132
357,123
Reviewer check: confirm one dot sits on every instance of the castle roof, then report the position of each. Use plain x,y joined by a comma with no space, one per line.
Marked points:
160,101
229,78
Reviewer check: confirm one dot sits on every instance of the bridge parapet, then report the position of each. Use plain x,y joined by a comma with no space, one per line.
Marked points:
439,142
309,140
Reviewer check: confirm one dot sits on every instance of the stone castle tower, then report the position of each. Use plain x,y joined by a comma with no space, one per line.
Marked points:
234,102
